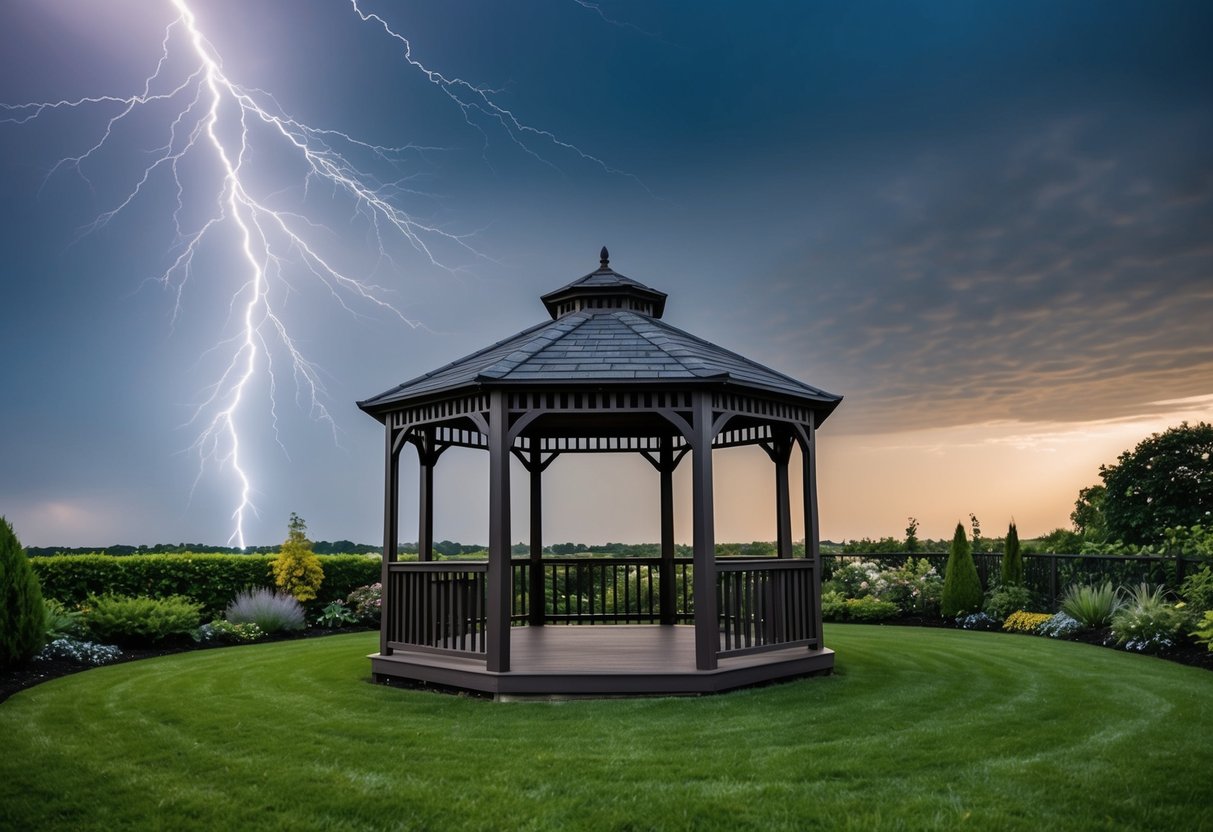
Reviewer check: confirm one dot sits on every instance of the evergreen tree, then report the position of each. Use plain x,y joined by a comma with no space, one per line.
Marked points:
22,614
297,570
912,535
961,586
1012,560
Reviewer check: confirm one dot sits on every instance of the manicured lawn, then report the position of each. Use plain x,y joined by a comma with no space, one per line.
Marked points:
918,729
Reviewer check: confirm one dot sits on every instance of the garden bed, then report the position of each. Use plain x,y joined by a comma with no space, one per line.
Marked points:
35,672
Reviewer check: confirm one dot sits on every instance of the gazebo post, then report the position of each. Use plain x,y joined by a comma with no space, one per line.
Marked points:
500,572
391,522
782,454
666,580
812,541
707,627
425,499
536,562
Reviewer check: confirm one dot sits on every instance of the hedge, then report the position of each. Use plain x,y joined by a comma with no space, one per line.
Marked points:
210,580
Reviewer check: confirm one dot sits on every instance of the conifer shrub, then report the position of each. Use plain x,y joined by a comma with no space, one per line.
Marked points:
297,570
961,585
1012,560
22,614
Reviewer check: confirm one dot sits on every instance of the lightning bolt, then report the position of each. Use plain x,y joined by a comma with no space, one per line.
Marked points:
214,117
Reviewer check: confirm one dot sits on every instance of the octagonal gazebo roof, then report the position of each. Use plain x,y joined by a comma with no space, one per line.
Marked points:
606,329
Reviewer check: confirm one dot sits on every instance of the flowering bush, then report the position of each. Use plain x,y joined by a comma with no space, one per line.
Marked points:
366,602
1059,625
81,652
1025,622
976,621
227,632
914,588
855,580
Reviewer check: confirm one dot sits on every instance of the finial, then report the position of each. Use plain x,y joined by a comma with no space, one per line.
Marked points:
604,258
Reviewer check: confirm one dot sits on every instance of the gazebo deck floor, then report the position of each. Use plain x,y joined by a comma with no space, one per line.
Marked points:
602,660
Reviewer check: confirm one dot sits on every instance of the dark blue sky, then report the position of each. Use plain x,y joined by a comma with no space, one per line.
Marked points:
988,225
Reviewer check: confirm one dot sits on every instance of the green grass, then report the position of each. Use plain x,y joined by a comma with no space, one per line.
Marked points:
918,729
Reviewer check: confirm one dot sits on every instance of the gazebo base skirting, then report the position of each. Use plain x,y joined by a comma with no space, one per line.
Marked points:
601,660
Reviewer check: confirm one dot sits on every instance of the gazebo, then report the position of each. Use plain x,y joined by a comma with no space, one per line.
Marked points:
604,375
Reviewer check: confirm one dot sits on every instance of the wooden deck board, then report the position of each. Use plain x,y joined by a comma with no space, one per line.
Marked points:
603,659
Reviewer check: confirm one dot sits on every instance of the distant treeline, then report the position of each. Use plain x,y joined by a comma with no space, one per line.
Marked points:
453,549
320,547
444,548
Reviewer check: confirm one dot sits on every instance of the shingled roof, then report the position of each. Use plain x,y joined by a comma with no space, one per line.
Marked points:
596,340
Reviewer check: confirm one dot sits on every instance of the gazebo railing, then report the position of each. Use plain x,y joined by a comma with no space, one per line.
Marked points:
602,590
764,604
437,606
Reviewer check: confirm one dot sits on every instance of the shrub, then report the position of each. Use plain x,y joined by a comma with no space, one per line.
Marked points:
271,611
1005,600
59,621
297,570
1012,560
367,602
1146,623
208,579
22,616
1025,622
138,620
961,586
869,608
1059,625
1197,590
336,614
1204,631
225,631
833,606
1091,606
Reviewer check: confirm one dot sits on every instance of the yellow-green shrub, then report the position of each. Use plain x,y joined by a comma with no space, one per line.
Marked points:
1025,622
297,570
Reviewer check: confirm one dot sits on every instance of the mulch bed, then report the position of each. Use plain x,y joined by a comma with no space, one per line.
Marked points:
17,679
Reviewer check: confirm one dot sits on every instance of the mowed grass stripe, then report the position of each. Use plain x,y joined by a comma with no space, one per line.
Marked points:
918,729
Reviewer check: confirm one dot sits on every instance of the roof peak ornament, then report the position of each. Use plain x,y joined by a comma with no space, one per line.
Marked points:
604,259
